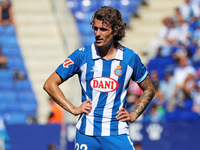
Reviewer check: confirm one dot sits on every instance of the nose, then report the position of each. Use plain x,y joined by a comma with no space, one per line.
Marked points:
97,32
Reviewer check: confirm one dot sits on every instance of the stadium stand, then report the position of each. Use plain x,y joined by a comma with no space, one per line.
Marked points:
183,98
163,59
17,98
82,10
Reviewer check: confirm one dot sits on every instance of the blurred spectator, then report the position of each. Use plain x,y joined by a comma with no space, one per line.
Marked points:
51,147
134,93
182,32
3,60
19,75
56,114
177,15
189,10
181,73
189,86
6,14
138,146
183,70
196,57
192,48
155,79
196,99
167,86
155,114
196,33
178,51
164,38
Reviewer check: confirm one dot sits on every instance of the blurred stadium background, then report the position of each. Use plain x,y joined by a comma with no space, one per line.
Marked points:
43,33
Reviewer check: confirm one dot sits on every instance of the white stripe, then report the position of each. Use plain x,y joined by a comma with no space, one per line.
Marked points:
95,98
107,113
130,141
144,76
83,83
83,77
95,53
123,125
78,125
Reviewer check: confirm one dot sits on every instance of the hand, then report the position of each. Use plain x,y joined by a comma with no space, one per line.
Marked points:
85,107
123,115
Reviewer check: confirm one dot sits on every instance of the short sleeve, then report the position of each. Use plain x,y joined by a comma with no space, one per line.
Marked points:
139,70
70,66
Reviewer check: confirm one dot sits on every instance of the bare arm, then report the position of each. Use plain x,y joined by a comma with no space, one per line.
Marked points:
143,102
51,86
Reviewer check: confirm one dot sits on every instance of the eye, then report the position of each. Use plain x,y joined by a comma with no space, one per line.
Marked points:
95,28
103,29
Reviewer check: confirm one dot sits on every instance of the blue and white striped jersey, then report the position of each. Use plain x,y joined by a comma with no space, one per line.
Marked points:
105,82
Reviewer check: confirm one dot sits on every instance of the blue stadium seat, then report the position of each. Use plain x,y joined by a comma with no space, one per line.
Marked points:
8,30
10,40
83,17
126,17
6,84
73,5
87,40
187,106
11,51
85,28
15,118
2,108
23,85
26,96
128,5
189,116
15,63
88,6
173,116
112,3
14,107
162,66
29,109
6,74
7,96
127,8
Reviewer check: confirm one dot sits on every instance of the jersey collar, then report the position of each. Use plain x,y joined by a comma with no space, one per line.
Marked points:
95,53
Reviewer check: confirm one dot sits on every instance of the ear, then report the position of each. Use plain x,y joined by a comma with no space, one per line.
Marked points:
115,32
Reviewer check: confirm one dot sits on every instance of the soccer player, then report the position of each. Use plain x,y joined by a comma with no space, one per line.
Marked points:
104,68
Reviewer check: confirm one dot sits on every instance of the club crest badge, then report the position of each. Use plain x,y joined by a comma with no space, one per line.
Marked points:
118,71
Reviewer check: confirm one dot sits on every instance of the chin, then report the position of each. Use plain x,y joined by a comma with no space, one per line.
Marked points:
99,44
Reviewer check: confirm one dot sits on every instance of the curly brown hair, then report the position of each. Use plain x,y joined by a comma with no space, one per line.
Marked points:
113,17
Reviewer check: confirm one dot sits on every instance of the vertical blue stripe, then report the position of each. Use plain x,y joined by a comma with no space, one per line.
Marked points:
98,112
117,101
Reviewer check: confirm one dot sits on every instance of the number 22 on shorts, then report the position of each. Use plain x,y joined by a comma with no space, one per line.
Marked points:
82,147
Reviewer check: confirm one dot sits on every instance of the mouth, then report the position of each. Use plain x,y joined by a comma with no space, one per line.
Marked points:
99,40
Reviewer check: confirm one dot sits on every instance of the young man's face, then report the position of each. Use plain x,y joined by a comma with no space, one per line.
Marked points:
103,33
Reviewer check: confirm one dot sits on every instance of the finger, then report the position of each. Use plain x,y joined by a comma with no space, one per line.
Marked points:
119,116
88,101
124,119
88,107
122,115
121,110
86,112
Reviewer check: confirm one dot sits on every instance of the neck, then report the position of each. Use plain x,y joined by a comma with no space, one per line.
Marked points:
108,51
